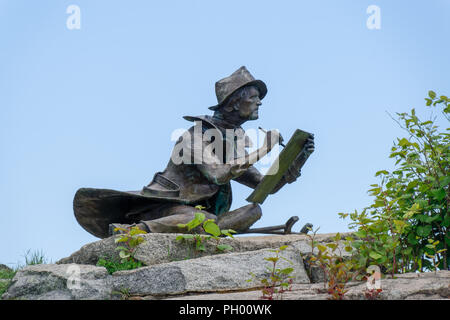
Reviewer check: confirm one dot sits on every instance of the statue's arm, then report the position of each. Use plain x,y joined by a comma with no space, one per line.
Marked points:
250,178
216,173
221,173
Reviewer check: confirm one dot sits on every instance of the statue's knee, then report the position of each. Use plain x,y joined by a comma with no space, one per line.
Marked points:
240,219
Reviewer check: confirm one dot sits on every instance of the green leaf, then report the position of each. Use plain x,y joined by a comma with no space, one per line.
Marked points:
212,228
135,231
199,216
403,142
446,222
375,255
438,194
431,94
381,172
444,181
200,246
360,234
378,204
407,251
423,231
432,218
224,247
422,203
228,232
283,247
124,254
412,239
447,240
121,239
286,270
198,220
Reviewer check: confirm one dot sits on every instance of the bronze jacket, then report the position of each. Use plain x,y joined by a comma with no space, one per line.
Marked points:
195,181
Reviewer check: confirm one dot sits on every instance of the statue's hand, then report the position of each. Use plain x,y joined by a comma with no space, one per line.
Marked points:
292,174
308,148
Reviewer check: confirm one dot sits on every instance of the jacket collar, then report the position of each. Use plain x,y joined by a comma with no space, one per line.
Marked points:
219,124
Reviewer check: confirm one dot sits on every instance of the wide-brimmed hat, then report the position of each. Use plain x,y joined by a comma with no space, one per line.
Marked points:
238,79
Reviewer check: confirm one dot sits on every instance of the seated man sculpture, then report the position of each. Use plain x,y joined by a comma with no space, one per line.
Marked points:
193,176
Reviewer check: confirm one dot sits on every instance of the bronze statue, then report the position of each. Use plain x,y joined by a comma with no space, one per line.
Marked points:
193,176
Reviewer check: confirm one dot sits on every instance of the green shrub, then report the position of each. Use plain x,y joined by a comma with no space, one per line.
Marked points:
405,229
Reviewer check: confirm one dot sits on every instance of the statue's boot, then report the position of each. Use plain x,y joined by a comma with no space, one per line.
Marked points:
239,220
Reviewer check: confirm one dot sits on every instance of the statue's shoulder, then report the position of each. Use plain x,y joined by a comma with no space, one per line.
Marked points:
205,121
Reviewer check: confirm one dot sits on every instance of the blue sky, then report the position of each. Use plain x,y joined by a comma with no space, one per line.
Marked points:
96,107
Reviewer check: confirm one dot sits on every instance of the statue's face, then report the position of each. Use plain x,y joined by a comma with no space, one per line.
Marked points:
248,107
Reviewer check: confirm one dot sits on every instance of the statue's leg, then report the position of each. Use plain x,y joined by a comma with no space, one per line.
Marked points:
172,216
239,220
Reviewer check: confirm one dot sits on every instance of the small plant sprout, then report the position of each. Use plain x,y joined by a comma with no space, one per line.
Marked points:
131,238
278,280
432,245
210,227
337,270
